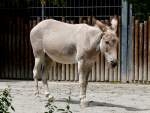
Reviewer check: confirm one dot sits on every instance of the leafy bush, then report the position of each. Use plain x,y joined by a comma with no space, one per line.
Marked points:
5,101
52,108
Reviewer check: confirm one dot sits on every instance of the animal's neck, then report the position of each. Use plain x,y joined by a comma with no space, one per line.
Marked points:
96,43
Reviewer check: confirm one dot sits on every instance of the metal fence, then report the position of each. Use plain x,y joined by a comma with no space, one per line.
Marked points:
17,60
101,9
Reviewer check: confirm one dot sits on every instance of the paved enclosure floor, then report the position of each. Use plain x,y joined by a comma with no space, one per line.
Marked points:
104,97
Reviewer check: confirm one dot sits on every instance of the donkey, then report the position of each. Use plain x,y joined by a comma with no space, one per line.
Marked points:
55,41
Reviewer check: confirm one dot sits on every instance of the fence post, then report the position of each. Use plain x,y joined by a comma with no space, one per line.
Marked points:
130,52
141,53
42,12
136,50
43,3
149,49
124,37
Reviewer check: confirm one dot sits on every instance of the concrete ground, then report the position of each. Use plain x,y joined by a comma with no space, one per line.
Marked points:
103,97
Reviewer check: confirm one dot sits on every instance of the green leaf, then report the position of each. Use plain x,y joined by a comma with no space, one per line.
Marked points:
68,107
61,109
12,108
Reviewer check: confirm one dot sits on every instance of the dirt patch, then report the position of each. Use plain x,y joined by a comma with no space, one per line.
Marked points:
103,97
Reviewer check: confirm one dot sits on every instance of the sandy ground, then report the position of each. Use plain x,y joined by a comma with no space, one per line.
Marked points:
103,97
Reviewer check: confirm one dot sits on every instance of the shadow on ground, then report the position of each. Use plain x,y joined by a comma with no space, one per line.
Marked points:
104,104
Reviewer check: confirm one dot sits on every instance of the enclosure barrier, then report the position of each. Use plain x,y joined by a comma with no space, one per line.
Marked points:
16,52
141,51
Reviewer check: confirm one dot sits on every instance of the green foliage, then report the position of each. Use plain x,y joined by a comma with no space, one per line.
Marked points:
52,108
141,9
5,101
57,2
14,3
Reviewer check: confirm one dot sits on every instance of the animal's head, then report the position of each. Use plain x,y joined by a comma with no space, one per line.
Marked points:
109,41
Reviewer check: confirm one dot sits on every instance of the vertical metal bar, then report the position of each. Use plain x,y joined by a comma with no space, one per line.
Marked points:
149,48
133,51
130,52
124,21
42,11
119,48
136,50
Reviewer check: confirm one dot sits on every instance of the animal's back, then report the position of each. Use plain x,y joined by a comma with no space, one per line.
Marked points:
52,31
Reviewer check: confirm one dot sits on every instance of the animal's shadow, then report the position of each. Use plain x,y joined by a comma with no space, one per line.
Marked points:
96,103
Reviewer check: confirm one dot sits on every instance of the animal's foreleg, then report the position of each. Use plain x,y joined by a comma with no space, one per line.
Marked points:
83,86
83,73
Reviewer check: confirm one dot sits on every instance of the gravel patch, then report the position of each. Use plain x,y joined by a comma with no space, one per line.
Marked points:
103,97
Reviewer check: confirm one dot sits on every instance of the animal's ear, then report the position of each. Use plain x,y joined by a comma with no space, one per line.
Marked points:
102,26
114,24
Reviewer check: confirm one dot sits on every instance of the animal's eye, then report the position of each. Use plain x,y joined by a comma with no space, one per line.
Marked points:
107,42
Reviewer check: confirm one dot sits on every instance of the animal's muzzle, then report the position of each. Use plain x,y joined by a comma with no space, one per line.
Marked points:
114,63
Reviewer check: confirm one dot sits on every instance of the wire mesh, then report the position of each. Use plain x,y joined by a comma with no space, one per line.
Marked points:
102,9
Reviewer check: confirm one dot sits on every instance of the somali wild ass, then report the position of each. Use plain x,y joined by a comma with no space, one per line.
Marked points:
65,43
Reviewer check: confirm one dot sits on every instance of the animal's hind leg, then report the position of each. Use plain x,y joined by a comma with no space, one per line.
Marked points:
46,68
36,72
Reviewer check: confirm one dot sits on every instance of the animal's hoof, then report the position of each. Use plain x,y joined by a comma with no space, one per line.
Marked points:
37,93
51,98
84,103
47,94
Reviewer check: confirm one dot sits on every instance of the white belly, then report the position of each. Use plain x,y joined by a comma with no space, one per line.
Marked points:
63,59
